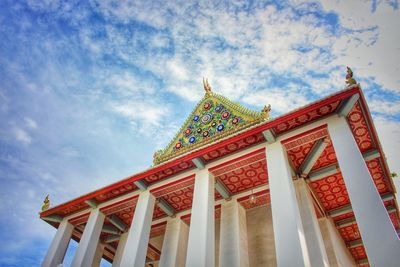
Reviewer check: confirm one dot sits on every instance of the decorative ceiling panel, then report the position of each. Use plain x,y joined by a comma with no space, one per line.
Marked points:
331,191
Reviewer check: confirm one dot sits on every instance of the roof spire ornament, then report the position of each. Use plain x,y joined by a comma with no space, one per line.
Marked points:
207,86
265,111
46,203
349,77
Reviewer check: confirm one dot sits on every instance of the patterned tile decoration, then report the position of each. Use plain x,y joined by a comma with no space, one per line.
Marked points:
305,138
181,199
350,233
359,128
297,155
178,194
331,191
213,118
234,146
73,208
328,157
80,219
116,192
299,147
174,186
167,172
243,174
377,174
394,218
126,215
358,253
131,202
313,115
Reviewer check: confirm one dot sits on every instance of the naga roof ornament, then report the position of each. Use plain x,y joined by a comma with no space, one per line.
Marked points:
349,77
214,117
46,203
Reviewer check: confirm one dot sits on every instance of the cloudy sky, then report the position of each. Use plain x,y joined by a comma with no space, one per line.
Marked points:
88,91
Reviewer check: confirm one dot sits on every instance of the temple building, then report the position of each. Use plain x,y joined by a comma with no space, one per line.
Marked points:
236,187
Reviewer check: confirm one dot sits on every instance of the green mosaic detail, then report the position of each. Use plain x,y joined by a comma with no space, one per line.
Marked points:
213,118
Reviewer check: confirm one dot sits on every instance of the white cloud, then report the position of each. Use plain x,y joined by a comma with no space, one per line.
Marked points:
3,102
22,136
143,115
372,43
30,123
384,107
389,136
281,101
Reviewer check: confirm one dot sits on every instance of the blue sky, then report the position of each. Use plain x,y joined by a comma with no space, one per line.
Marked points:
89,90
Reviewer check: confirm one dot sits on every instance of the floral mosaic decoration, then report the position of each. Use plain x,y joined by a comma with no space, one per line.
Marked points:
214,117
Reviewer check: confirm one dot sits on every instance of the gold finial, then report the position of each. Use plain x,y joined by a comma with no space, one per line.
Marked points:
207,86
265,111
46,203
349,77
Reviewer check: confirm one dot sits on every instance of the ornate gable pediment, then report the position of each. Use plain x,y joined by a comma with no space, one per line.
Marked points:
213,118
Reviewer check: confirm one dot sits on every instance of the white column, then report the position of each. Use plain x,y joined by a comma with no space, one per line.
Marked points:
337,252
379,236
138,236
201,244
290,244
58,248
120,250
98,255
86,250
233,248
312,232
174,246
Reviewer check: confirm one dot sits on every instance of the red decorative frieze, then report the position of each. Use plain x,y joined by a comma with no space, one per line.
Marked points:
80,219
304,118
167,172
306,137
116,192
173,186
120,205
359,128
234,146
